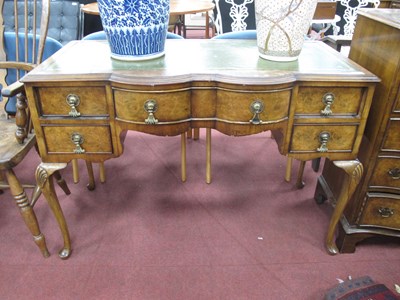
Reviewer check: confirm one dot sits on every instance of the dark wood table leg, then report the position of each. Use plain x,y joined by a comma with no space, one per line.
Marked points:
354,171
44,178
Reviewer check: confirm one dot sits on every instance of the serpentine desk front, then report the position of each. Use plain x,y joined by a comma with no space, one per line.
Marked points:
82,103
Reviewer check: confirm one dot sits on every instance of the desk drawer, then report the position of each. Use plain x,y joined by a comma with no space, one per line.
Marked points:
164,106
392,139
323,138
238,106
78,140
386,173
314,100
73,101
382,210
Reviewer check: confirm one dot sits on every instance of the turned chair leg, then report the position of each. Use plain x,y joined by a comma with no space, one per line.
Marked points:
26,211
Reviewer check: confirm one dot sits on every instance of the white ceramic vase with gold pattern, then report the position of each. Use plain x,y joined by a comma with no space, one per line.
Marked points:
282,26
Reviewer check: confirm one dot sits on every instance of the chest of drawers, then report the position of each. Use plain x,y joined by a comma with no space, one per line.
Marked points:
375,206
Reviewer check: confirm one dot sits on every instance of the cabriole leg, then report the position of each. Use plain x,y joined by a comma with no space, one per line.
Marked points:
44,178
354,171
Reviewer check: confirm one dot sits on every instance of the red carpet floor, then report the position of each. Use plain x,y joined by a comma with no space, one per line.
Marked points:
146,235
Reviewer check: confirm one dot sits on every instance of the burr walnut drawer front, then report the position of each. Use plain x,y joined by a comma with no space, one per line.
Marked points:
252,107
323,138
73,101
392,139
78,140
386,173
381,210
325,101
168,106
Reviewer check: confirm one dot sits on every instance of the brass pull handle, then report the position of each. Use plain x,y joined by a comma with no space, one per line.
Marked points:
73,101
78,140
324,137
256,107
327,100
394,173
150,106
386,212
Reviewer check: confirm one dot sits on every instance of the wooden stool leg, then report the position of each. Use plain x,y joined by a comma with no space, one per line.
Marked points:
91,185
26,211
300,182
183,157
102,172
288,173
75,170
208,155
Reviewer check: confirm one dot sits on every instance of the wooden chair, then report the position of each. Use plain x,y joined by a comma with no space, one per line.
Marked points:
349,18
20,51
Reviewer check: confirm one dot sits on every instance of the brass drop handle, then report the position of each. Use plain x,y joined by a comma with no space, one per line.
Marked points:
324,137
394,173
256,108
150,106
78,140
73,101
386,212
327,100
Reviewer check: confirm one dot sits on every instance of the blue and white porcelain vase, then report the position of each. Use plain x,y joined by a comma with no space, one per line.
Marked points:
282,26
135,29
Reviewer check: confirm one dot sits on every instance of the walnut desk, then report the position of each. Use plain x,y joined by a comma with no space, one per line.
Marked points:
82,102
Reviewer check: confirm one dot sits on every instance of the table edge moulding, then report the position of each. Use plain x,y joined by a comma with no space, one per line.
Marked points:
315,107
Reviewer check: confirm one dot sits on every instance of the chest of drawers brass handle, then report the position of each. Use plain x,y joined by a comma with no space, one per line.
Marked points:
256,107
386,212
328,100
394,173
78,140
323,139
73,101
150,106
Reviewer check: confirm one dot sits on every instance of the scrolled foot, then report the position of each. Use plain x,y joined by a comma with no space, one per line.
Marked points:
64,253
